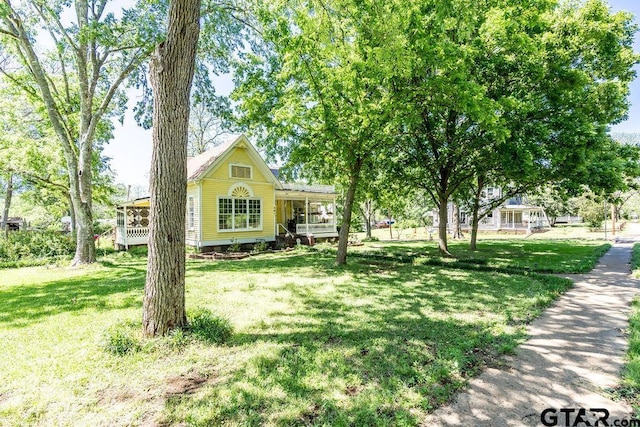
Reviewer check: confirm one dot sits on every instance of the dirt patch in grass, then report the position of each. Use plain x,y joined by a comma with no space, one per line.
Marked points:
188,383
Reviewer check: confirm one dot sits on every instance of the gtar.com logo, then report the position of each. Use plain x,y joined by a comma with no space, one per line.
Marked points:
579,417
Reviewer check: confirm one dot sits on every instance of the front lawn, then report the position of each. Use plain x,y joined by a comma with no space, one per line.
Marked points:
381,341
630,387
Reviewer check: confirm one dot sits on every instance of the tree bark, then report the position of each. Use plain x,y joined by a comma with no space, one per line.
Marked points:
475,214
455,226
366,214
72,215
443,200
172,68
613,219
7,204
474,225
341,256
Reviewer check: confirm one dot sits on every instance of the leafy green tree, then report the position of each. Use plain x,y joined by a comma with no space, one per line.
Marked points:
532,88
313,90
554,201
77,74
30,151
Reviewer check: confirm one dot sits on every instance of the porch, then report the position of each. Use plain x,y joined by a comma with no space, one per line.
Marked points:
303,214
519,218
132,224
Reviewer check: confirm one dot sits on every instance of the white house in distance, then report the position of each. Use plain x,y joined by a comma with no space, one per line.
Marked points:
234,197
515,215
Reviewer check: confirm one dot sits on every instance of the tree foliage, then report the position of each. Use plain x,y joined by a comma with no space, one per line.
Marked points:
314,91
74,58
505,89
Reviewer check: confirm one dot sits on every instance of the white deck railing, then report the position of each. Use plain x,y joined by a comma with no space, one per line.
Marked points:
135,236
315,229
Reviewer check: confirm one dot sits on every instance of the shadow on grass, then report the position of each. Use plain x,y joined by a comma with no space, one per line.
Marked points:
268,264
383,350
116,287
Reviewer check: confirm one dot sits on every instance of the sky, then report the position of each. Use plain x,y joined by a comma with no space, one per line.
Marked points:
130,150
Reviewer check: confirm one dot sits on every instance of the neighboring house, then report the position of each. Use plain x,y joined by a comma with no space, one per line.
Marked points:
234,197
15,223
514,214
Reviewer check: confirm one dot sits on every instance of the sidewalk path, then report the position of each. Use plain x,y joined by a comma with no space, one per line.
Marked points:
575,351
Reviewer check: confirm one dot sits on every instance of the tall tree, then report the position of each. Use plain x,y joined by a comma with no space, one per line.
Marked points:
7,204
93,53
206,129
314,93
534,87
172,69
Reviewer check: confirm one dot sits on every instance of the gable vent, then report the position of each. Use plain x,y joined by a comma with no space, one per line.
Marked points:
238,171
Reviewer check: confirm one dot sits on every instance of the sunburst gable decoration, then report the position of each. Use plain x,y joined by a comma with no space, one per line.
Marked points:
240,191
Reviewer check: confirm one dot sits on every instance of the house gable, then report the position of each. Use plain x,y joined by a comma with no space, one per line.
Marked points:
235,160
236,190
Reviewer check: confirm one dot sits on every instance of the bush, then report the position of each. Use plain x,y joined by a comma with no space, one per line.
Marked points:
260,246
35,244
208,327
591,211
123,338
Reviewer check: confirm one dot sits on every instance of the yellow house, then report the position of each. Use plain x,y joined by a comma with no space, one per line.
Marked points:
234,197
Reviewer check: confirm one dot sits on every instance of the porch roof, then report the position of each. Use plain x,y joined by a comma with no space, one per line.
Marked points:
302,190
140,201
520,207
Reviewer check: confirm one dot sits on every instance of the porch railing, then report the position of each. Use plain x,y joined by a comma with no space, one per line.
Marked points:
315,228
135,236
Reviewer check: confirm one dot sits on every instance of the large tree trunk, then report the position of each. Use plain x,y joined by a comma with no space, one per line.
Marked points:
341,256
474,225
7,204
85,242
81,196
368,208
72,215
475,214
172,68
443,200
455,226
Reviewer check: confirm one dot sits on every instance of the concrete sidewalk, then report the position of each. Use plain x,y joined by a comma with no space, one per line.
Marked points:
575,351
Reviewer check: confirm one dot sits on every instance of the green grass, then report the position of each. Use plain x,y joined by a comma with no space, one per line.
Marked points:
381,341
630,388
568,256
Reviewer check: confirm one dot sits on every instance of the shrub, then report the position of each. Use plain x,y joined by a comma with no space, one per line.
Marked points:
234,246
208,327
35,244
260,246
123,338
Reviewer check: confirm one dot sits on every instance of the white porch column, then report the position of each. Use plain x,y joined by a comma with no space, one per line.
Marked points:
335,217
126,237
306,212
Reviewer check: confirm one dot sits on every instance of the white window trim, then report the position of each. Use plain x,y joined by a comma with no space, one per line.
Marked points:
240,184
191,214
233,213
231,165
